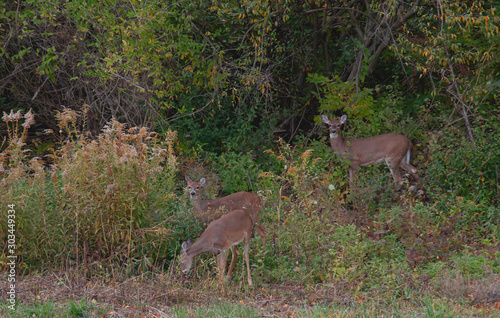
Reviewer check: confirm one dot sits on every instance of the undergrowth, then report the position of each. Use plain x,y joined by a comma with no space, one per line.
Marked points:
112,206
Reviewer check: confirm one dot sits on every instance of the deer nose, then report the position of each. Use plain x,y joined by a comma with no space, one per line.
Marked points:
192,193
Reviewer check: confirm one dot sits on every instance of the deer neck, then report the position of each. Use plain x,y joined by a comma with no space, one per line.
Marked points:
338,143
200,205
202,245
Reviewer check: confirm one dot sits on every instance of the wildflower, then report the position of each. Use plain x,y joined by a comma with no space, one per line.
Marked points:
17,116
12,116
30,119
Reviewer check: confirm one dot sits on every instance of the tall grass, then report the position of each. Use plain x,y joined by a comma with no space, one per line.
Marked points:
92,200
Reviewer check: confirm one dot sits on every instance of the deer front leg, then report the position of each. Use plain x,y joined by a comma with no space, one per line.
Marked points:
221,264
353,174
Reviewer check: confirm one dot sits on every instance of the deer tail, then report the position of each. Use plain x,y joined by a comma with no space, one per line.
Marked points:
410,151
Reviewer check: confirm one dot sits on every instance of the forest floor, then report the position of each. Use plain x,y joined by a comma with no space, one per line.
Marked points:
67,295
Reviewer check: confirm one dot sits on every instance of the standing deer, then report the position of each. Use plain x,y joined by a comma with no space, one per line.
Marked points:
249,202
220,235
393,149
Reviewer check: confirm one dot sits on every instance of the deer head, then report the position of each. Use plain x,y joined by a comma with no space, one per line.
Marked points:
194,187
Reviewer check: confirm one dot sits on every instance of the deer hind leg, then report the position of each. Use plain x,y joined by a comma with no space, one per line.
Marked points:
235,253
411,170
395,172
262,232
247,259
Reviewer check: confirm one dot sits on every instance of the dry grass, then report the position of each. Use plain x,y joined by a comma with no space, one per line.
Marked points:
168,295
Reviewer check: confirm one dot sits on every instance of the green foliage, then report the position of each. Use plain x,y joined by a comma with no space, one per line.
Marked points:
465,169
307,242
335,95
347,253
474,266
239,172
387,276
79,309
40,310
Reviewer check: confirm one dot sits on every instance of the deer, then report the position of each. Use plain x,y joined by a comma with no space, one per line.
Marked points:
220,235
393,149
247,201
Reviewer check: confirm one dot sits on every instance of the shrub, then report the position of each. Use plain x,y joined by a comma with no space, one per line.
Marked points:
238,172
458,167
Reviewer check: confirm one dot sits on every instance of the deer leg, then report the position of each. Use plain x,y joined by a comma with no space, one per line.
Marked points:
353,173
262,232
411,170
221,264
247,259
395,172
235,253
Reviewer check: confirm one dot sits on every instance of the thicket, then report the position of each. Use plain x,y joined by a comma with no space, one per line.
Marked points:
143,92
230,75
114,203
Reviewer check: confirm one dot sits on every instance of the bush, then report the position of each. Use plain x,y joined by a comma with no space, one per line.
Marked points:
238,172
460,168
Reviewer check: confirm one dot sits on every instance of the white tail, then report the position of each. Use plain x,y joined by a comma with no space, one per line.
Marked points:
220,235
212,209
393,149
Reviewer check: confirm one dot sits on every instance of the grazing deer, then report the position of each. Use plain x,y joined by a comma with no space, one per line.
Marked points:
249,202
393,149
220,235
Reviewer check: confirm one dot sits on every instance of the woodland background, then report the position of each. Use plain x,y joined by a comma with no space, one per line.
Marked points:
129,96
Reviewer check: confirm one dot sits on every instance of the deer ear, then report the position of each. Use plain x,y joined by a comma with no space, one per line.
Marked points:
325,119
185,245
202,181
343,119
187,179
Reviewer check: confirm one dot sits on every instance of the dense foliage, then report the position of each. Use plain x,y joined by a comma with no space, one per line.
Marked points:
233,72
106,105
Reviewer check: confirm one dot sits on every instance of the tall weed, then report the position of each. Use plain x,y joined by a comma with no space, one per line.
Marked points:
96,202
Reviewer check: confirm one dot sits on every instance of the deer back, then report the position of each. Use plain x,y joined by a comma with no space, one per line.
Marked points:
374,149
221,234
246,201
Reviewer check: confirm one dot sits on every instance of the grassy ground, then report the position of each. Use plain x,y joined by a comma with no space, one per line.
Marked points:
160,295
